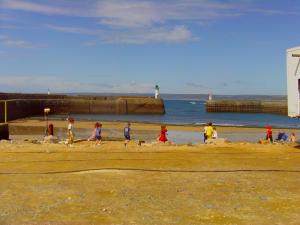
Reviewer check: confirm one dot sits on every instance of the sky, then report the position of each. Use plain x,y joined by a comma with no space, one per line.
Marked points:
129,46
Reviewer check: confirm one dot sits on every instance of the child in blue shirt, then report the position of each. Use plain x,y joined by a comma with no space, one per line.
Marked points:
127,134
98,131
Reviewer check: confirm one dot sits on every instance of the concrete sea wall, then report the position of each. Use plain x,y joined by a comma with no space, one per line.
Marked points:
273,107
22,106
9,96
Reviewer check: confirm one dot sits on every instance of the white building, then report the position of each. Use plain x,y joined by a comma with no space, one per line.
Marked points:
293,81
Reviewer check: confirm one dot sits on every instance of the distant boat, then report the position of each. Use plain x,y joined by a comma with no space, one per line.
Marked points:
193,103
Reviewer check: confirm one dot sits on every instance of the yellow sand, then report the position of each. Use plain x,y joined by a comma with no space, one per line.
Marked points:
136,126
153,184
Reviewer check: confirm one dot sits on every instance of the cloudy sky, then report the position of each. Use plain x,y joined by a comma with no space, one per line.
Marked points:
185,46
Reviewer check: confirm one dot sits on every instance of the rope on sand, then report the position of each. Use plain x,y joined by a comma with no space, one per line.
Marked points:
150,170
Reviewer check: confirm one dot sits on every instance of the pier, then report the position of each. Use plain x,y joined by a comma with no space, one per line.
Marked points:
16,106
247,106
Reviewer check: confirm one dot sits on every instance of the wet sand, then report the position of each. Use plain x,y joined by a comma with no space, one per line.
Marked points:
180,134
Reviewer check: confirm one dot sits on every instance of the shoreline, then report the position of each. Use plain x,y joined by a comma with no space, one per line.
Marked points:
130,118
178,134
147,123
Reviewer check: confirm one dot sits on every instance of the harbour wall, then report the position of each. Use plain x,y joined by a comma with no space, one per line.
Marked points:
248,106
31,105
10,96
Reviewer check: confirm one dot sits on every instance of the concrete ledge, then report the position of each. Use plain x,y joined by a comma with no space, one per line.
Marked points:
4,132
20,108
240,106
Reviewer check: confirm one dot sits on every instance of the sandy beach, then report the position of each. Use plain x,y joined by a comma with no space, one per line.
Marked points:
179,134
230,183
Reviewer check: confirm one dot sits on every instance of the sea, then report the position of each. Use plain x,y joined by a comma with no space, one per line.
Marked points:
192,112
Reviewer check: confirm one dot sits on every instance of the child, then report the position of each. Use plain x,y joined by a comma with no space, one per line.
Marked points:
281,136
51,129
163,134
209,131
215,133
269,135
292,137
98,131
127,134
93,136
204,133
71,134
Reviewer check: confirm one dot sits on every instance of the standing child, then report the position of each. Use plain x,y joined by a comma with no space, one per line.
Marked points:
98,131
209,131
127,134
51,129
93,136
163,134
204,133
269,135
71,134
292,137
215,133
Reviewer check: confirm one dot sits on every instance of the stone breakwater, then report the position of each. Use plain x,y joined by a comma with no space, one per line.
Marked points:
24,105
241,106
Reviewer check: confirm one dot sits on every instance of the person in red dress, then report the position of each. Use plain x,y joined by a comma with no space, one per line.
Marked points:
269,135
163,134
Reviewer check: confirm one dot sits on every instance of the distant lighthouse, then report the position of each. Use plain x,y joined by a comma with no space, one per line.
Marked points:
209,97
156,91
48,91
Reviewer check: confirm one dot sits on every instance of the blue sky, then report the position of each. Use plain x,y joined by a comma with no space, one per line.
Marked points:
185,46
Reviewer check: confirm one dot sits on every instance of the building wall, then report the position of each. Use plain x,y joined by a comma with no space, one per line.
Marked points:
292,82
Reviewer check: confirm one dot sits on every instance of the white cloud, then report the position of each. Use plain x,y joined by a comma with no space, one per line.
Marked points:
132,13
33,7
76,30
128,13
135,36
176,34
272,12
17,43
58,84
137,13
141,13
141,36
139,21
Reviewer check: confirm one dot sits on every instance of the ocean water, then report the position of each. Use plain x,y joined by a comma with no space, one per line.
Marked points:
185,112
